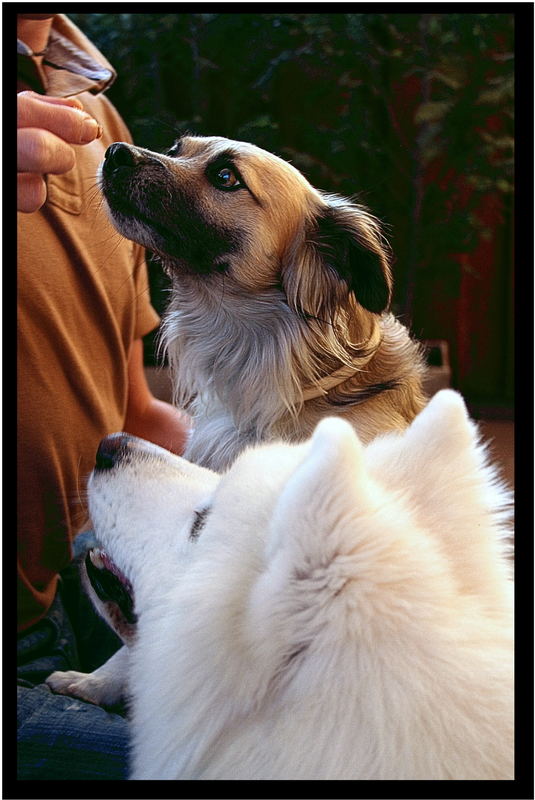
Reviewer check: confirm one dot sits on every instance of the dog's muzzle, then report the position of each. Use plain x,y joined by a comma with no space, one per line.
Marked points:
107,580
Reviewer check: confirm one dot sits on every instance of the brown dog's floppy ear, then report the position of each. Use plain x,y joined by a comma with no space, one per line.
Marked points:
341,251
348,241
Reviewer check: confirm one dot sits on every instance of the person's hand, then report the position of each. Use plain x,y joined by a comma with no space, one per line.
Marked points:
47,126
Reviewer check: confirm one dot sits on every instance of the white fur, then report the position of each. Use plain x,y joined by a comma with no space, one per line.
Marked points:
345,612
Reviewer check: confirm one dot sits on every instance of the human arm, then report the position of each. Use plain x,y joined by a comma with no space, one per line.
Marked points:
148,417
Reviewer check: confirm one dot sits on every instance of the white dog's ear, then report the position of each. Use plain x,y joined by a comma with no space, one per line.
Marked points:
441,464
314,514
442,458
443,425
344,252
435,457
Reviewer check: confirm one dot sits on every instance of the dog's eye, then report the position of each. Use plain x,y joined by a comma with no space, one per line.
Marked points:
175,149
199,520
226,178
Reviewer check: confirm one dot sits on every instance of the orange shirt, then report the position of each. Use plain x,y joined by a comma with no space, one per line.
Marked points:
82,300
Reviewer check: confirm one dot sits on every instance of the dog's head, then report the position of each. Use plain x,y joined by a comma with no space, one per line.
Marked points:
150,506
212,205
304,585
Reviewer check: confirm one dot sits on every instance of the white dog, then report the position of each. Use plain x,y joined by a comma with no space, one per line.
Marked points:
321,611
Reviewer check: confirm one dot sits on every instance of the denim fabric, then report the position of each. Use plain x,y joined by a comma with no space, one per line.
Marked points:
60,737
63,738
47,646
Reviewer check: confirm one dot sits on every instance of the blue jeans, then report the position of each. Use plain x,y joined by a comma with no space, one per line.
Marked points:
60,737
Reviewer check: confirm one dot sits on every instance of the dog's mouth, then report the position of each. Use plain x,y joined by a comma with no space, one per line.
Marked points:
109,583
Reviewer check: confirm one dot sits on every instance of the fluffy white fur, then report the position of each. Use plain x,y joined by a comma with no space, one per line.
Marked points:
344,613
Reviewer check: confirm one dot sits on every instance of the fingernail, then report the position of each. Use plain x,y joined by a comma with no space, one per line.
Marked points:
90,130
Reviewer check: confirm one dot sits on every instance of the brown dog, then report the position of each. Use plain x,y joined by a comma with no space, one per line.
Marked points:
279,312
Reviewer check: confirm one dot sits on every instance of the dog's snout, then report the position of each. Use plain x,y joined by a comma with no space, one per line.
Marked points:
120,154
121,157
111,449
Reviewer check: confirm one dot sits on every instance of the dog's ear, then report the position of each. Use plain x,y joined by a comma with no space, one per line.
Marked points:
443,469
444,456
343,252
313,514
443,426
439,461
306,560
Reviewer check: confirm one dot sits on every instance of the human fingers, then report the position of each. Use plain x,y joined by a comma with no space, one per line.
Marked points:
73,102
39,151
63,116
31,192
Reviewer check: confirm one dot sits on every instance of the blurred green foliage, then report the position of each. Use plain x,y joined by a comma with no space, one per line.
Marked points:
390,108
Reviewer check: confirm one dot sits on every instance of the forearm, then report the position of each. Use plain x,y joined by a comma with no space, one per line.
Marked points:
160,423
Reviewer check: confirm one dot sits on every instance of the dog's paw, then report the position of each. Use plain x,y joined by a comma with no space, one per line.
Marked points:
91,687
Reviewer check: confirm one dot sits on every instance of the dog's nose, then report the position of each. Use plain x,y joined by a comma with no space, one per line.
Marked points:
111,449
119,154
123,157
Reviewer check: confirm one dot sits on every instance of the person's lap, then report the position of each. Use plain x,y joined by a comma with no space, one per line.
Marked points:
61,737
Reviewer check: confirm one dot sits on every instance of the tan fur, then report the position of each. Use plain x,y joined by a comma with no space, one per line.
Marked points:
275,287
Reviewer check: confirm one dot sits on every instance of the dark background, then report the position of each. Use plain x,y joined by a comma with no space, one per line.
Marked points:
410,113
